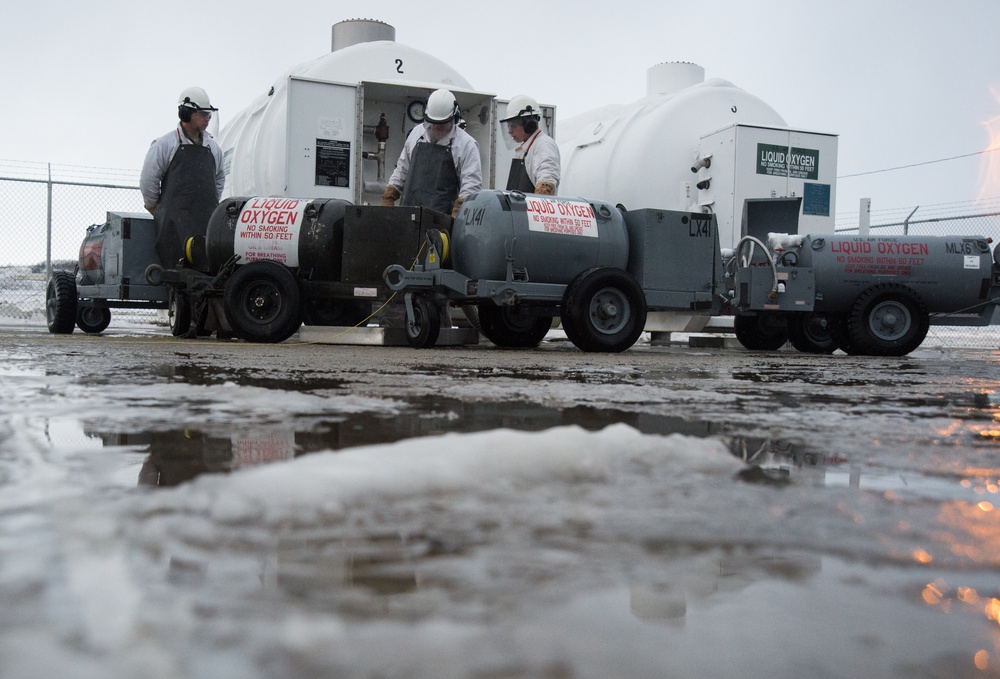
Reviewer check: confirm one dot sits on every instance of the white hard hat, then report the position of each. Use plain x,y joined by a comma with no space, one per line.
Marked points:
195,98
522,106
441,107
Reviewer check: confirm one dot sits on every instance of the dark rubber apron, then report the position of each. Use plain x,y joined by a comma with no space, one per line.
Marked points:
187,200
432,181
518,179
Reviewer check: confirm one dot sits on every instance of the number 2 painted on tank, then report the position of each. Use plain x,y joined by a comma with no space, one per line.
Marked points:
399,65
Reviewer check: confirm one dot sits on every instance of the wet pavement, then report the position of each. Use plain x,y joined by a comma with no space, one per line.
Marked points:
178,508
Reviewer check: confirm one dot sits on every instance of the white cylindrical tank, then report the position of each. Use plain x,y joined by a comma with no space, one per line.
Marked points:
356,31
641,154
254,142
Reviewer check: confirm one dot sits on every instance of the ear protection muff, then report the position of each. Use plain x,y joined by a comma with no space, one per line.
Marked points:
530,124
185,113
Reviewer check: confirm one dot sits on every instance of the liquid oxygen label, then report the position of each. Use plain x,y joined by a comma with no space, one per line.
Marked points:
556,215
268,229
782,161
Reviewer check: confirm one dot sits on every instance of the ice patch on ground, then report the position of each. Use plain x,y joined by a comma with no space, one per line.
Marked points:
491,461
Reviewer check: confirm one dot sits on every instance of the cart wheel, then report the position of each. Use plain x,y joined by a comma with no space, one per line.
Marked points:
178,312
262,302
423,330
93,319
888,319
607,308
60,303
813,333
761,332
512,327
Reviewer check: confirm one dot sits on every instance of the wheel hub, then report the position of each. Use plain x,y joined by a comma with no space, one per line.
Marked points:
609,311
889,321
263,302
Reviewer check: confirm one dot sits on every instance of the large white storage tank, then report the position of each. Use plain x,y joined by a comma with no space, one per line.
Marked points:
698,145
338,100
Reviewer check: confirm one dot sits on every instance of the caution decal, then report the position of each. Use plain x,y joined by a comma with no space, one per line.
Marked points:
561,216
268,229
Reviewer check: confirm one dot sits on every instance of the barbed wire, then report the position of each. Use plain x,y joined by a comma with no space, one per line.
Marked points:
35,170
899,214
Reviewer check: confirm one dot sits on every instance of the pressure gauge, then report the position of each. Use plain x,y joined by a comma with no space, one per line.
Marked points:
415,111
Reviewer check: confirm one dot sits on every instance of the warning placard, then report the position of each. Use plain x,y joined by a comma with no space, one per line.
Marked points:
874,257
268,229
561,216
784,161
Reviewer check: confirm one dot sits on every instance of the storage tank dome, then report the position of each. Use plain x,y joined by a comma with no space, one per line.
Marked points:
254,142
641,154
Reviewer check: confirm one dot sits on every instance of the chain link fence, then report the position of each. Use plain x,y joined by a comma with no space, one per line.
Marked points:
49,207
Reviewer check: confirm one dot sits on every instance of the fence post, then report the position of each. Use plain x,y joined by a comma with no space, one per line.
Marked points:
48,227
865,217
906,222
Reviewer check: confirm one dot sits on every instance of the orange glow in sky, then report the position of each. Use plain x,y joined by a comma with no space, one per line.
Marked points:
989,185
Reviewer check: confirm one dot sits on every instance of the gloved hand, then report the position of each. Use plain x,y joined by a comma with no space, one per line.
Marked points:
390,195
458,206
545,188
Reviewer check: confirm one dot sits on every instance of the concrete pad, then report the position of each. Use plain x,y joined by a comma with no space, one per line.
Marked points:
382,337
714,342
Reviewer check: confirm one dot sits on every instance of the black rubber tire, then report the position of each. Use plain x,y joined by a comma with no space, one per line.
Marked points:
813,333
60,303
838,330
178,312
509,327
761,332
887,319
423,332
335,312
93,319
607,308
263,302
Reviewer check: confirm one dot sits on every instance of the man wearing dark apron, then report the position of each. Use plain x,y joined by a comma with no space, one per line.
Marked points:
182,180
187,200
536,166
181,183
438,168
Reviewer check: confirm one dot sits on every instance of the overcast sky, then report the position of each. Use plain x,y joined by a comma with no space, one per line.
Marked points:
901,82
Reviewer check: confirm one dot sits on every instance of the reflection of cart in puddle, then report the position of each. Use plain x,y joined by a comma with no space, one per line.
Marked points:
181,455
771,460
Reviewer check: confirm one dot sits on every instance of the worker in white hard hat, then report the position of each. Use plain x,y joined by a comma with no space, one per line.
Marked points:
182,177
439,166
536,165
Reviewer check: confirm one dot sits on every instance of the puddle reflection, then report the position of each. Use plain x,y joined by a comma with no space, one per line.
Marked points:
176,456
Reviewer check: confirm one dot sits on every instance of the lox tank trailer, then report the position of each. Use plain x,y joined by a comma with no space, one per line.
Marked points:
525,259
264,267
